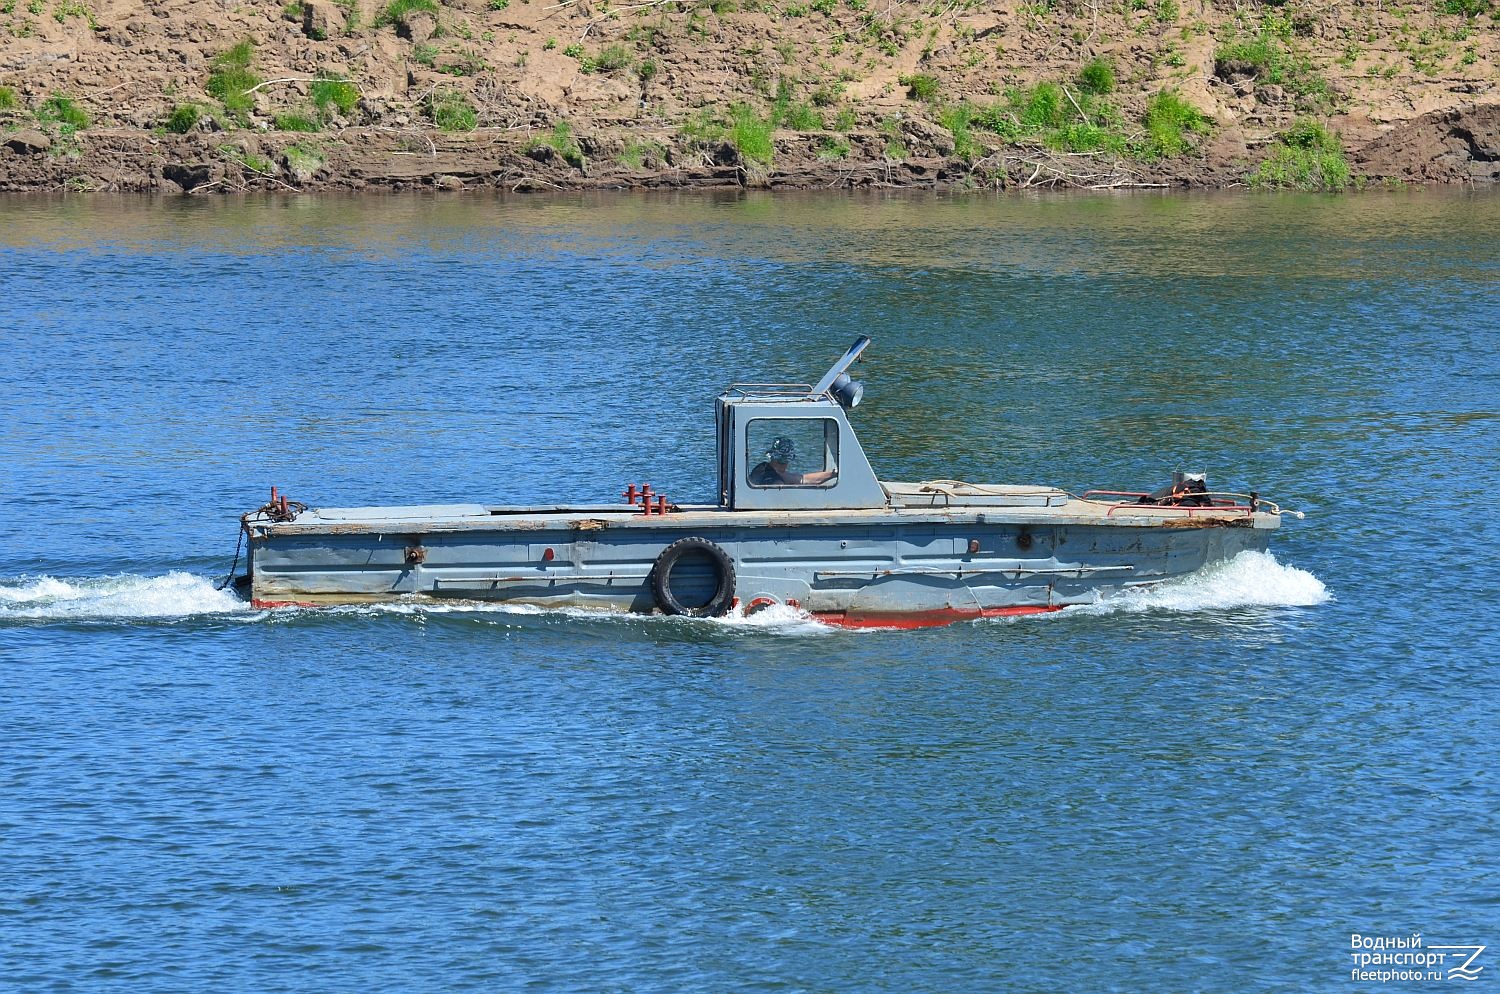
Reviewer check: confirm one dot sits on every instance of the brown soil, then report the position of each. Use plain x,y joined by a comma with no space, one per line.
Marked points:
1411,91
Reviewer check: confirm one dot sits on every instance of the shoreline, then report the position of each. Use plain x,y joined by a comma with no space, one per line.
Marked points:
1457,147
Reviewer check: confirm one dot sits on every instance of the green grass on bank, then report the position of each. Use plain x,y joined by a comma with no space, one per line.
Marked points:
1307,156
1269,55
61,112
562,142
398,10
231,81
1070,118
450,110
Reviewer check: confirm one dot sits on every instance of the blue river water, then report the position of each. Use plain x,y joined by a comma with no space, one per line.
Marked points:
1207,787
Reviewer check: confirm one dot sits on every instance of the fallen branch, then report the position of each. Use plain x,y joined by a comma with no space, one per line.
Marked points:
1077,170
100,93
1076,107
614,11
1129,184
532,180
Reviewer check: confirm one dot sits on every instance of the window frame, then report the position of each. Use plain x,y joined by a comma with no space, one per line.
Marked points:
831,445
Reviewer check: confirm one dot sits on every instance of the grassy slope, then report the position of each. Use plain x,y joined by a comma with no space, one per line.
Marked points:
638,84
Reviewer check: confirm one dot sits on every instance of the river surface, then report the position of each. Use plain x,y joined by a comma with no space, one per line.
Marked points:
1207,787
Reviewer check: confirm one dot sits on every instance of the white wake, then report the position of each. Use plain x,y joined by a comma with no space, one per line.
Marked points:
175,595
777,619
1250,579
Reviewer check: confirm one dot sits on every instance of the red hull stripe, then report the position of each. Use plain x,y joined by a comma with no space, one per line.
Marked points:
260,604
924,619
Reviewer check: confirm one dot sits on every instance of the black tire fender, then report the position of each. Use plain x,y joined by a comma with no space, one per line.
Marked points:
661,579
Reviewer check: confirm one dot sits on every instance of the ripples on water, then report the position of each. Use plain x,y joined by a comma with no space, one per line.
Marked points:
1208,786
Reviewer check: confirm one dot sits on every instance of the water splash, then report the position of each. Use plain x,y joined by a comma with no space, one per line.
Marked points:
175,595
1250,579
776,619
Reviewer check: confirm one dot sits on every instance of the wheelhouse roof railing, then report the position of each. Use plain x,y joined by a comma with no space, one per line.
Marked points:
777,390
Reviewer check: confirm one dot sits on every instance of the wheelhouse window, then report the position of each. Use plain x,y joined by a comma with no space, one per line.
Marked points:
792,452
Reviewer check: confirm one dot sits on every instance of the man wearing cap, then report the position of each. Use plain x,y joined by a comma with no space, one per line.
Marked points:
776,470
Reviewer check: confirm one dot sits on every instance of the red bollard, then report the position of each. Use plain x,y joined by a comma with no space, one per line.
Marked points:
630,494
661,503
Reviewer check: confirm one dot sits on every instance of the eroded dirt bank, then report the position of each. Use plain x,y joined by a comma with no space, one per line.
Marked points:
522,94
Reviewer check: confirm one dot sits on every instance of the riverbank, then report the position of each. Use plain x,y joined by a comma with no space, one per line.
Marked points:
511,94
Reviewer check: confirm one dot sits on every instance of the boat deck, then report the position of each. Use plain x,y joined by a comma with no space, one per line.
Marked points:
1054,507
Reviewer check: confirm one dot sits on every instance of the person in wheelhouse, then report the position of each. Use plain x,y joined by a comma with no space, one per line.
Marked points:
775,469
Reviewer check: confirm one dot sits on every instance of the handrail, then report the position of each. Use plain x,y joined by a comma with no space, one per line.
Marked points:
1255,502
769,389
1191,509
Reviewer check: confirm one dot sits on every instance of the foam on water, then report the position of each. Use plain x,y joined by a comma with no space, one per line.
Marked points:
778,619
1250,579
175,595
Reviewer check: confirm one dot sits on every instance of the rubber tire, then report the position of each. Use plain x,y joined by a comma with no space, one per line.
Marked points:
661,579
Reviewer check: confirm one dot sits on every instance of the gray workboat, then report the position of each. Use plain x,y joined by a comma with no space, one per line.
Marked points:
801,520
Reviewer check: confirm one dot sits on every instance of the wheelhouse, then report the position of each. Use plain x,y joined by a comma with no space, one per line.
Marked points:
789,446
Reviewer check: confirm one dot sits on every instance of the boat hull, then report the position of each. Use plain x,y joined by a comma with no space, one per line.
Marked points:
892,568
